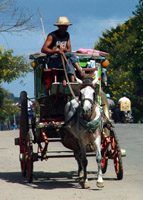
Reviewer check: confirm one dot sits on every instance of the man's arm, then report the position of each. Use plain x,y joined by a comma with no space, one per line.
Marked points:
48,42
68,46
46,49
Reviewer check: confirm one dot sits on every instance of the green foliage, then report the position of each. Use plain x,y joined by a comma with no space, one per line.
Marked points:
125,47
7,108
1,96
12,66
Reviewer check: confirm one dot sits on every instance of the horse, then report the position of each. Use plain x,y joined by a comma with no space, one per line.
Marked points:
83,128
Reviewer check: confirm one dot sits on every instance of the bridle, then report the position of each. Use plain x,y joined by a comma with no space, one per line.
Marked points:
86,99
92,102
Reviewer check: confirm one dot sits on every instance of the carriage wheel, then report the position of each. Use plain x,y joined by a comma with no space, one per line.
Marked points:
115,150
29,157
24,126
24,114
22,154
104,165
104,144
104,151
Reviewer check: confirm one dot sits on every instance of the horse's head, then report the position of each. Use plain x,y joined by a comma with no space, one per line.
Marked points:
88,97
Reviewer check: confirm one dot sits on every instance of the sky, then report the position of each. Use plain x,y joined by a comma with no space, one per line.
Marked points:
89,18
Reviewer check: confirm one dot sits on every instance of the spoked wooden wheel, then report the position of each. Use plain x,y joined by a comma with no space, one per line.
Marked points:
116,154
104,165
22,153
104,151
24,127
104,144
29,157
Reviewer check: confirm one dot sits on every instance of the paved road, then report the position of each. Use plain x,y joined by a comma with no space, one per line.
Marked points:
55,179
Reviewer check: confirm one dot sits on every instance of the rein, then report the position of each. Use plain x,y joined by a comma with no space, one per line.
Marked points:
63,57
89,125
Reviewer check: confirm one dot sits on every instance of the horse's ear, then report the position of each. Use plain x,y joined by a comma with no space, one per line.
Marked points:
95,81
78,80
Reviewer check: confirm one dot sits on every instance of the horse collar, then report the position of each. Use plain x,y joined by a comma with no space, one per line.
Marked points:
91,125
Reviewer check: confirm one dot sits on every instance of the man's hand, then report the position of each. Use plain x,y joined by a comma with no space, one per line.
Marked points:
60,51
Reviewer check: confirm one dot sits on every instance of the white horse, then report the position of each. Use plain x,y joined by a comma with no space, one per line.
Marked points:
83,127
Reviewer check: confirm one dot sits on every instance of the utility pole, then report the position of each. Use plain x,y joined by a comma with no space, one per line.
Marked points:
44,36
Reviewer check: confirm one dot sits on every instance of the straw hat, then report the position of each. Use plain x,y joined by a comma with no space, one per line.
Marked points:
63,21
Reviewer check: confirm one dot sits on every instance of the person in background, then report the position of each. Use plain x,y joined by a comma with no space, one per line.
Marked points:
57,43
124,98
123,106
111,105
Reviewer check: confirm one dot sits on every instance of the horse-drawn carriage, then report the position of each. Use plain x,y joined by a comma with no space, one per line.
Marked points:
58,116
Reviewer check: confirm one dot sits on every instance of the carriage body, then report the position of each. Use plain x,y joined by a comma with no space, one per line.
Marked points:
41,124
50,91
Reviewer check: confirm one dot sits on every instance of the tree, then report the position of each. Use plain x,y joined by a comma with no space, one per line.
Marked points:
1,96
8,109
14,19
125,48
12,66
137,59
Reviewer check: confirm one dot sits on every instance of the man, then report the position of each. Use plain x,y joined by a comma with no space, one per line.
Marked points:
58,42
124,105
126,100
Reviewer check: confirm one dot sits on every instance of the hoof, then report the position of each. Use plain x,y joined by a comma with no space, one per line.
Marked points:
84,185
100,184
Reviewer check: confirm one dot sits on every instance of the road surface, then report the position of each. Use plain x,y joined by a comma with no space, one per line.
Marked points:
56,179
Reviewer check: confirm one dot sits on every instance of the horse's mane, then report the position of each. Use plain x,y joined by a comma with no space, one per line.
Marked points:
86,82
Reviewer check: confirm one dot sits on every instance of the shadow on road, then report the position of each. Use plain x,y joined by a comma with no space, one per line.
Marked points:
43,180
50,180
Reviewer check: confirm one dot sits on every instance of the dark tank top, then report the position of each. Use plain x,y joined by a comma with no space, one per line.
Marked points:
59,40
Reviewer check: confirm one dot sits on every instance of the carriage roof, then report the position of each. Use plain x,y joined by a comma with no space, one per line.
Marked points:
82,56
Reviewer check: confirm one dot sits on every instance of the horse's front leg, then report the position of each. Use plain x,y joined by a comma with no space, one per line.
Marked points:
83,173
100,182
78,159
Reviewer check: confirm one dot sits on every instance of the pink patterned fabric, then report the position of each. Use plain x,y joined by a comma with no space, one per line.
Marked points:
92,51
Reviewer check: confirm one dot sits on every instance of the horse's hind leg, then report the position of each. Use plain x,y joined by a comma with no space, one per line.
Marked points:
100,182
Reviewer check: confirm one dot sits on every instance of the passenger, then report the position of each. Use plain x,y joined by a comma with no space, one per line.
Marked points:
58,42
